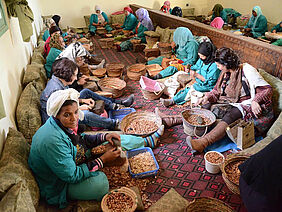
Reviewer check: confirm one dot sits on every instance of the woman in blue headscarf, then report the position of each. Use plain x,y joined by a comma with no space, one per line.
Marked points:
257,24
145,24
186,52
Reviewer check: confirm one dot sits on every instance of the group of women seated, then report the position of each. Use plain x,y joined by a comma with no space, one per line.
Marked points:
60,152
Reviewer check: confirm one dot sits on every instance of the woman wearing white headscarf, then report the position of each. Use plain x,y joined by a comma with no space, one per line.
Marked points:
59,155
100,19
257,25
145,24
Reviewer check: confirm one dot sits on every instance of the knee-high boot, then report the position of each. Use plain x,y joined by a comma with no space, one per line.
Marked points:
217,133
168,121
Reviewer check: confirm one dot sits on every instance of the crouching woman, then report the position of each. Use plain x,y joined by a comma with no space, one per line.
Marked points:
54,154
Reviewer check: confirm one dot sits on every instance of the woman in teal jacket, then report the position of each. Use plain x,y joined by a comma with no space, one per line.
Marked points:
60,155
205,71
277,28
57,45
186,51
145,24
100,19
130,21
257,25
218,11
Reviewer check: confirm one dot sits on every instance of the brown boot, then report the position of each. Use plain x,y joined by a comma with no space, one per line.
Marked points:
200,144
168,121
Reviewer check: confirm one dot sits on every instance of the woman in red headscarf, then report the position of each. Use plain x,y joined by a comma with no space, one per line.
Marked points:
130,20
166,7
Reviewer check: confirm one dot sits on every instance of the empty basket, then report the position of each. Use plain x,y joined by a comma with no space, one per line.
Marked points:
114,69
134,72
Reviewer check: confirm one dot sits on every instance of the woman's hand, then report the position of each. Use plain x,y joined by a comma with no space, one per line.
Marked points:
173,45
110,136
84,107
82,80
192,73
248,29
274,31
203,101
256,109
90,102
110,155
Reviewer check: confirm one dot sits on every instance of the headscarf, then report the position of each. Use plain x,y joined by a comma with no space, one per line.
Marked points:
166,7
258,11
58,98
217,10
57,19
177,11
207,49
128,9
73,51
182,36
97,7
217,23
49,22
143,17
167,3
55,42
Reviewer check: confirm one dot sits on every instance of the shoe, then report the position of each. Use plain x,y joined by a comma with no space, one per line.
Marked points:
118,48
117,125
158,76
216,134
166,102
169,121
129,101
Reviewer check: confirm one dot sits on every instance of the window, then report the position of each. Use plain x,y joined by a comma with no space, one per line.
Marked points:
3,22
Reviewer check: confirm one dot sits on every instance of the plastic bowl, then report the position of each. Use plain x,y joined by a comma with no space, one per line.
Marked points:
213,168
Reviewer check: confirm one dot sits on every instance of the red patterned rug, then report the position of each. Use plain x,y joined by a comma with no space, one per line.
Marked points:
179,169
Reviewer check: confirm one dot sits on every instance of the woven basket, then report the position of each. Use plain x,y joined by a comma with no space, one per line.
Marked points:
234,187
151,41
140,115
135,71
123,190
101,30
208,204
106,43
153,95
164,47
197,130
114,69
155,52
115,86
101,72
153,69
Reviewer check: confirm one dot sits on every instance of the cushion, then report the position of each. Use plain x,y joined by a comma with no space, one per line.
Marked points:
15,149
117,19
28,112
276,84
17,199
35,72
167,35
171,35
38,58
152,34
87,20
276,128
258,146
161,32
171,201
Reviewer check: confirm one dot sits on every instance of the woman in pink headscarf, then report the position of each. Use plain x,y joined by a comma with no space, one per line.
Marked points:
217,23
166,7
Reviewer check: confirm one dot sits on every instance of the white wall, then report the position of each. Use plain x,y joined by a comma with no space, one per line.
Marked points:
14,56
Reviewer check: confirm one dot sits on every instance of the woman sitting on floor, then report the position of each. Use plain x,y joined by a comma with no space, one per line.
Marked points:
65,73
277,29
177,11
166,7
242,87
186,53
218,11
49,23
257,25
60,156
204,71
145,24
100,19
53,30
57,45
130,21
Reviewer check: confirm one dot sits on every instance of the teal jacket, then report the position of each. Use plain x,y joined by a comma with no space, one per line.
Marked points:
52,160
258,28
140,32
188,54
225,13
130,22
46,35
210,72
94,19
53,54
